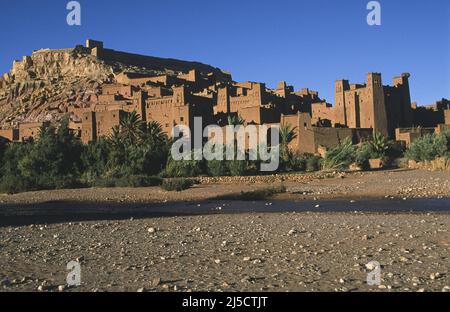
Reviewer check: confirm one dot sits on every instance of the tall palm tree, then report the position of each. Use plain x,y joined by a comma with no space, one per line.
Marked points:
132,128
235,120
287,135
115,138
155,132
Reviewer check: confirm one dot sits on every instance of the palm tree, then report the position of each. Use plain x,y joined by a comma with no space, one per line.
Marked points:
287,135
155,132
131,128
116,157
235,120
115,139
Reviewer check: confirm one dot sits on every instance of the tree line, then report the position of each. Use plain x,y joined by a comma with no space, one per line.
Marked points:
138,154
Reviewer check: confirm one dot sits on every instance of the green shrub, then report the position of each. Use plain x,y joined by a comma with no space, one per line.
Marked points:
363,154
128,181
95,159
295,162
12,184
379,146
237,167
177,184
429,147
341,156
303,162
139,181
263,194
217,168
184,168
105,182
313,163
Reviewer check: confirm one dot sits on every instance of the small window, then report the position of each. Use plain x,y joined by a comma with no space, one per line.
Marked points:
181,118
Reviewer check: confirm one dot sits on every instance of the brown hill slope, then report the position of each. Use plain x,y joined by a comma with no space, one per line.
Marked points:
44,85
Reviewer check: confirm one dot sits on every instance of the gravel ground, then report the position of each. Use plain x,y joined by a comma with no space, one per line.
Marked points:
380,184
295,251
251,252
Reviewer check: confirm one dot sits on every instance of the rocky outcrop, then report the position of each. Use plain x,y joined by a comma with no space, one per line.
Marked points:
43,86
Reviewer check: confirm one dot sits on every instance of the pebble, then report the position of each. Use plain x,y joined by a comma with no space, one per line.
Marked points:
156,281
434,276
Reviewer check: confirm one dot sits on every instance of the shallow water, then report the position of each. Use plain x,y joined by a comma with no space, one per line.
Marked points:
59,212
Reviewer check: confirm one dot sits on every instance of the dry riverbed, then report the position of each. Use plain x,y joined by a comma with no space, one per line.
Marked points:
250,251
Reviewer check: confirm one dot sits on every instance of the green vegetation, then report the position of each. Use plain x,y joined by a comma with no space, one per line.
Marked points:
184,168
341,156
52,162
137,154
262,194
297,162
287,135
177,184
131,156
429,147
129,181
378,147
346,153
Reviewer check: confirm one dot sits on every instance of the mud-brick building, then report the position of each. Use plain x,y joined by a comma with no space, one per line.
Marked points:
309,138
100,124
25,131
256,104
369,105
11,135
430,115
292,102
409,135
246,99
398,104
30,130
178,108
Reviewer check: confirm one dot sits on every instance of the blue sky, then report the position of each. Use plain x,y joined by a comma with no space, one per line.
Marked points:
307,43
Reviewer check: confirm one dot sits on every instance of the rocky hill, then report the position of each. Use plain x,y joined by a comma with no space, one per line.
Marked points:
44,85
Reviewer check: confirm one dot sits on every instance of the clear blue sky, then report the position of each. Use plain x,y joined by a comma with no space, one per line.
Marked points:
307,43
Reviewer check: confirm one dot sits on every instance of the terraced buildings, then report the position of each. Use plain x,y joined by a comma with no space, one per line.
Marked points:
173,92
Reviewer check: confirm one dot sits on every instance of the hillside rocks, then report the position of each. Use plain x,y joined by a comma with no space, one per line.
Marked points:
43,86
